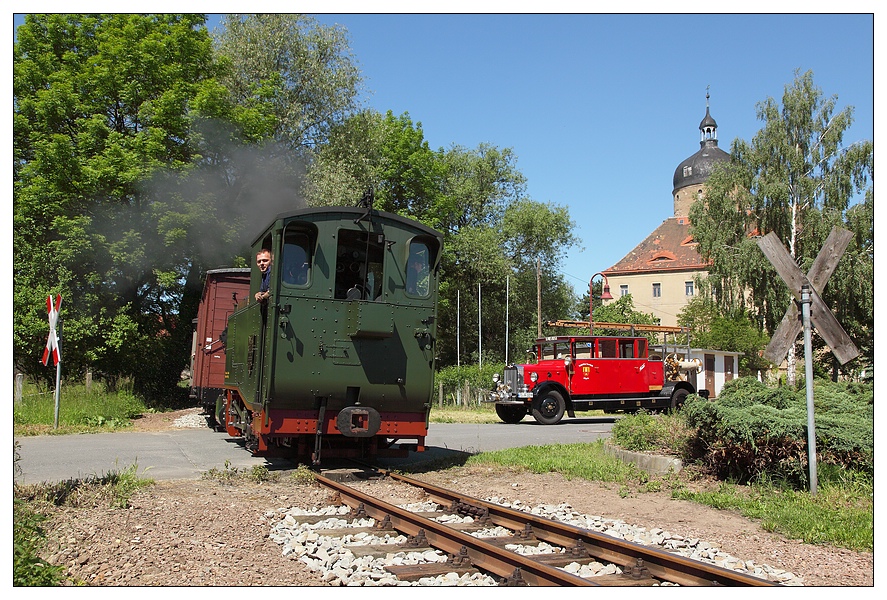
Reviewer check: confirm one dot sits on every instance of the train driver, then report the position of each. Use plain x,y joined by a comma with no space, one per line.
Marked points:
263,261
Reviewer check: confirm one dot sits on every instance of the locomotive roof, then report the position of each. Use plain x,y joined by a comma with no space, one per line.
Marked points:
357,211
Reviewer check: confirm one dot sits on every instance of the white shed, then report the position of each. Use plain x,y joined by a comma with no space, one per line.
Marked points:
718,367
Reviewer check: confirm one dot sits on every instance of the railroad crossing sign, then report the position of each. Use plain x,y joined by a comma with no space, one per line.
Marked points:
820,314
52,342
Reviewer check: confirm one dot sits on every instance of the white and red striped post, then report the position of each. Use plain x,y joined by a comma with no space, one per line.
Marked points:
54,349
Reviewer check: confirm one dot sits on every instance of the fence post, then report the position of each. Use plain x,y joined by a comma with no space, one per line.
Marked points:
465,392
19,382
88,380
440,395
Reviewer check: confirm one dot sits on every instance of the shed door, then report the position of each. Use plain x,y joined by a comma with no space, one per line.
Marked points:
728,368
710,374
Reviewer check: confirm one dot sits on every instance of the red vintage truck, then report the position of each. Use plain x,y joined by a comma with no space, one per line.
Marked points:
590,372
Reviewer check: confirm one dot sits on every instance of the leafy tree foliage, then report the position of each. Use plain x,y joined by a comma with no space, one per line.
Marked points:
734,333
100,104
797,179
493,233
142,159
302,74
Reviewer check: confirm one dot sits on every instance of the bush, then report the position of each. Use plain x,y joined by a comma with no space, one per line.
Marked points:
753,430
667,433
479,380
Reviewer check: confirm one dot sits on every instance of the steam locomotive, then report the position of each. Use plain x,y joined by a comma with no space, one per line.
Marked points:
339,361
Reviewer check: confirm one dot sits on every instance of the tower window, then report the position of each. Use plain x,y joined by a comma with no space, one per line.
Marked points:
688,170
657,290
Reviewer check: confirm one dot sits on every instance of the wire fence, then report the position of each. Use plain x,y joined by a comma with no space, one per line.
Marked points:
465,395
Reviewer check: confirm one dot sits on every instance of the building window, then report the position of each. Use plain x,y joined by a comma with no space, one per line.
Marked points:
623,289
688,288
688,170
657,290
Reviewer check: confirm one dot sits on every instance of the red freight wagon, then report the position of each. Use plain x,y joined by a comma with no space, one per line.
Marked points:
223,289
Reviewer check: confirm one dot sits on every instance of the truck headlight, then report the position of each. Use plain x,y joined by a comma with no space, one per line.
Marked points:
534,376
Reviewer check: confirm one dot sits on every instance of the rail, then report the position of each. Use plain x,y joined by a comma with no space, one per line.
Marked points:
643,564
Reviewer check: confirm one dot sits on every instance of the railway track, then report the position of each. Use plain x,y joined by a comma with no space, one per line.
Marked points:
640,565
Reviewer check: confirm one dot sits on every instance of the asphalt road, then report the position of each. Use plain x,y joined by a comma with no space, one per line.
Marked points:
188,453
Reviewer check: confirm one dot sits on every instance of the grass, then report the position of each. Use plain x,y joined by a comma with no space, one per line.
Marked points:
841,514
81,410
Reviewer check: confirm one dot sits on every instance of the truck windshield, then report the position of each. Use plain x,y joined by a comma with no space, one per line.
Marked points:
553,351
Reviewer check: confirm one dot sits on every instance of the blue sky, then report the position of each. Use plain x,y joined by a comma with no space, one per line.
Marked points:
599,108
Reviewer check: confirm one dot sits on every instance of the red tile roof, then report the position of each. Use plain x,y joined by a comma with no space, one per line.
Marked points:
669,248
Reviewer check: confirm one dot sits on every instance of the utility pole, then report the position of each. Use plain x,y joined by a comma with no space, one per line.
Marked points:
538,299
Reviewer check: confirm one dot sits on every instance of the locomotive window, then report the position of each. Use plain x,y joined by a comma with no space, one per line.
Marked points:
296,257
359,259
418,269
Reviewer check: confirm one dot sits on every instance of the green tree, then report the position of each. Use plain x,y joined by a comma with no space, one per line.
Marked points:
302,74
493,233
100,103
797,179
734,333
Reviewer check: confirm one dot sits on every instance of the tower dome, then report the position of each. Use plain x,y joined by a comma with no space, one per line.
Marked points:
695,170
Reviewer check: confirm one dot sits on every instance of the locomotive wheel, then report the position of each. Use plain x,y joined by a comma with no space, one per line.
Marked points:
550,408
511,413
678,398
219,424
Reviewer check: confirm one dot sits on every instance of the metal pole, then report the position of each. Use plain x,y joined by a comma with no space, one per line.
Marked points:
58,374
480,359
458,343
808,375
457,328
506,319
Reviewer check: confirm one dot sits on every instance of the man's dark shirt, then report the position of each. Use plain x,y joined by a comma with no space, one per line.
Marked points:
266,281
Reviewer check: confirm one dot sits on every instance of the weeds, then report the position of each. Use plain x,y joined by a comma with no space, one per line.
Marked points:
31,501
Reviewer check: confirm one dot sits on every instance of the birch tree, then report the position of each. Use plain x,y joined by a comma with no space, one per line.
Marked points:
795,178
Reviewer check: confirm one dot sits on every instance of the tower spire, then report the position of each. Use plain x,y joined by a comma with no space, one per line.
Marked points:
708,129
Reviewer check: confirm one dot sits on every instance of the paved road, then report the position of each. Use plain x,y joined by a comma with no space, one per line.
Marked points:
188,453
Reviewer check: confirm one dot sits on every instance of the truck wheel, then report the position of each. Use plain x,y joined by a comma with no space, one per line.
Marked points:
511,414
678,398
549,409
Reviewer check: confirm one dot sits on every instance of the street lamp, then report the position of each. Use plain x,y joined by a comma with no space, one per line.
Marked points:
605,295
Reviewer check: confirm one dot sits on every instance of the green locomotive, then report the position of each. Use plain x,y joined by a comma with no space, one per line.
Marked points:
338,360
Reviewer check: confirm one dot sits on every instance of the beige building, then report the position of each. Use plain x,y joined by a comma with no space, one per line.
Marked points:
660,272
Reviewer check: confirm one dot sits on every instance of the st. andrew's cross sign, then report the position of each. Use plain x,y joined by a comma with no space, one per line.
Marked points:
814,311
820,315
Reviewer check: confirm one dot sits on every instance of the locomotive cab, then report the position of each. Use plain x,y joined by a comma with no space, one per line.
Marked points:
340,359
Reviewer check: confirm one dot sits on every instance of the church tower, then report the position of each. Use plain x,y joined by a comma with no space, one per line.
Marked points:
660,271
693,172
